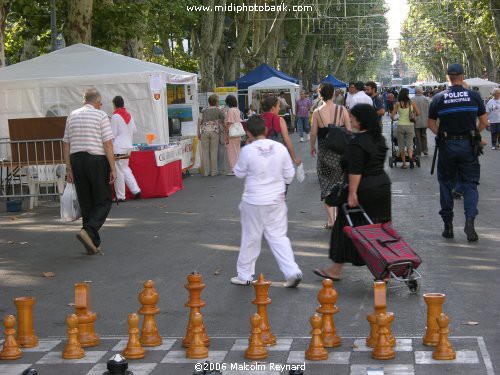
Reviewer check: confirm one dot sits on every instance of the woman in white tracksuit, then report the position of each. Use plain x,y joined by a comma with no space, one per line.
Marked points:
124,128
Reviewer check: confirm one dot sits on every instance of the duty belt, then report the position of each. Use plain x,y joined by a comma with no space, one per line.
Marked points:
456,137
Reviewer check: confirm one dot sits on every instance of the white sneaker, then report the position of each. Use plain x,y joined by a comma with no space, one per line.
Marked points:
237,281
294,281
308,137
302,139
493,148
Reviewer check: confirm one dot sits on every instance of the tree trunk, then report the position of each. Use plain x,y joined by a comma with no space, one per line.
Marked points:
79,28
495,12
309,61
4,12
134,48
210,35
298,55
243,24
340,61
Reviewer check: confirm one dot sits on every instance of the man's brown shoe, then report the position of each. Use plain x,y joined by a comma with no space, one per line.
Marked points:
86,241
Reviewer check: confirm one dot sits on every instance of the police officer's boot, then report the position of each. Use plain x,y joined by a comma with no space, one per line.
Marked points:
469,230
448,230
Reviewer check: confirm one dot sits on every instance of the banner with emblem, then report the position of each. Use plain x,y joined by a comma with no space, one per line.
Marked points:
168,155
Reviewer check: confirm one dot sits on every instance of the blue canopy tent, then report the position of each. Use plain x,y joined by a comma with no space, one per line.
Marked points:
334,81
257,75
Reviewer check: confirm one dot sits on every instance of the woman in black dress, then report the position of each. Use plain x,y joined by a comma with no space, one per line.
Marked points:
369,186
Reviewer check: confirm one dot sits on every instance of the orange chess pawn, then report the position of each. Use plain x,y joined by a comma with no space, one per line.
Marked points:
134,350
256,349
197,349
149,298
383,349
316,350
73,349
444,350
10,349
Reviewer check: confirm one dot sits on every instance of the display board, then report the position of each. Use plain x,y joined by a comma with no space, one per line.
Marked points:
39,129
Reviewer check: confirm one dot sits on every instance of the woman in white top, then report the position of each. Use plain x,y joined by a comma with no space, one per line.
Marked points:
123,127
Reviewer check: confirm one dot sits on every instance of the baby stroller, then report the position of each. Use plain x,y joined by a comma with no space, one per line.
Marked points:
395,156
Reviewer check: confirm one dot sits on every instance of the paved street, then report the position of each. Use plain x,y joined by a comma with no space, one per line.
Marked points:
198,229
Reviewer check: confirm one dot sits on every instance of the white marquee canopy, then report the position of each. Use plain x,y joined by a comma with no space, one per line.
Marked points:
53,84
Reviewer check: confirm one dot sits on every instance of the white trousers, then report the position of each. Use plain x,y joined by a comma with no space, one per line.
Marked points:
124,176
271,221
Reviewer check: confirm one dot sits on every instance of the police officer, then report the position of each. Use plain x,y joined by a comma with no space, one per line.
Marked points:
459,146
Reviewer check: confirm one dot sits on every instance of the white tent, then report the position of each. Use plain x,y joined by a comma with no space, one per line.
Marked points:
275,83
485,86
53,85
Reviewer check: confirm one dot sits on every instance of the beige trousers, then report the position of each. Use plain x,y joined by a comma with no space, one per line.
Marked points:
209,150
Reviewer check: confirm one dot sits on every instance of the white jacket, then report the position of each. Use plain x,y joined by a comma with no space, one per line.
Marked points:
124,134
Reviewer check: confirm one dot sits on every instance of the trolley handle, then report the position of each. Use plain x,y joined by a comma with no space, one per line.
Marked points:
359,209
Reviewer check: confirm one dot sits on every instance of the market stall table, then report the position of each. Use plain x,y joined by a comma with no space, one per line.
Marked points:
155,181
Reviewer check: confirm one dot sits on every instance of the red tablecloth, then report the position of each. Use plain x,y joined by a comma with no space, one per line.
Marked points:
155,182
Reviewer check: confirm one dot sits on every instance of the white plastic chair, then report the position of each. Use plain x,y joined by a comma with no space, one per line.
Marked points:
46,175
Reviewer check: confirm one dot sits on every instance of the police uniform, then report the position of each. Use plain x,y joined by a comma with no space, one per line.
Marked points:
458,110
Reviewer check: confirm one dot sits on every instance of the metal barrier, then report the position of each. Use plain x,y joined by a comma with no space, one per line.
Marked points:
31,168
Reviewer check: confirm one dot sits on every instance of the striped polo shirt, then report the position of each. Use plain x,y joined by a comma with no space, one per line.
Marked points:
86,130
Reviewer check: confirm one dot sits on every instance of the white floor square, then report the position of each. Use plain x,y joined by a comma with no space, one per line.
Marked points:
166,345
43,346
402,345
54,358
334,358
179,356
281,345
13,369
136,368
463,357
387,369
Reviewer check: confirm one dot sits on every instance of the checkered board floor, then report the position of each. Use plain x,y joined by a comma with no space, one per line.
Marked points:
353,357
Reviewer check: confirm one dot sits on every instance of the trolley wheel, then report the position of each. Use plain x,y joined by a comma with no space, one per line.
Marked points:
413,285
391,162
418,162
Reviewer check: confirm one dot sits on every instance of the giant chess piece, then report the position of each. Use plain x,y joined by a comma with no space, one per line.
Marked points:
256,347
194,286
327,297
384,349
86,317
316,351
197,349
10,349
148,299
134,350
261,300
444,350
73,349
26,337
117,365
434,303
380,307
30,371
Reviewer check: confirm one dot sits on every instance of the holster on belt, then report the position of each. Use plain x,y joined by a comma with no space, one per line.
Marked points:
475,139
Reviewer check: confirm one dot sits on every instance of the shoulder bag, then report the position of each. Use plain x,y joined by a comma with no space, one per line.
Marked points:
413,117
236,130
337,137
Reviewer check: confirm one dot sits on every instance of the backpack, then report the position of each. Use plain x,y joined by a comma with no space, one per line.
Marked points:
272,133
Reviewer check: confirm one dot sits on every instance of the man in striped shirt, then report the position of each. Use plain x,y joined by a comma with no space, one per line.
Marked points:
90,165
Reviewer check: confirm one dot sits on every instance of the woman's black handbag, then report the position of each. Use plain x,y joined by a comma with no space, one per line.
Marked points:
338,194
337,139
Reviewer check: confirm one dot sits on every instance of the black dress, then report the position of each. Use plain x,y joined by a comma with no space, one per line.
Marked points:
365,156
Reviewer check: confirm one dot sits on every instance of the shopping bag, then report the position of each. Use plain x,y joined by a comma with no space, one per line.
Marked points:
236,130
301,175
70,209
